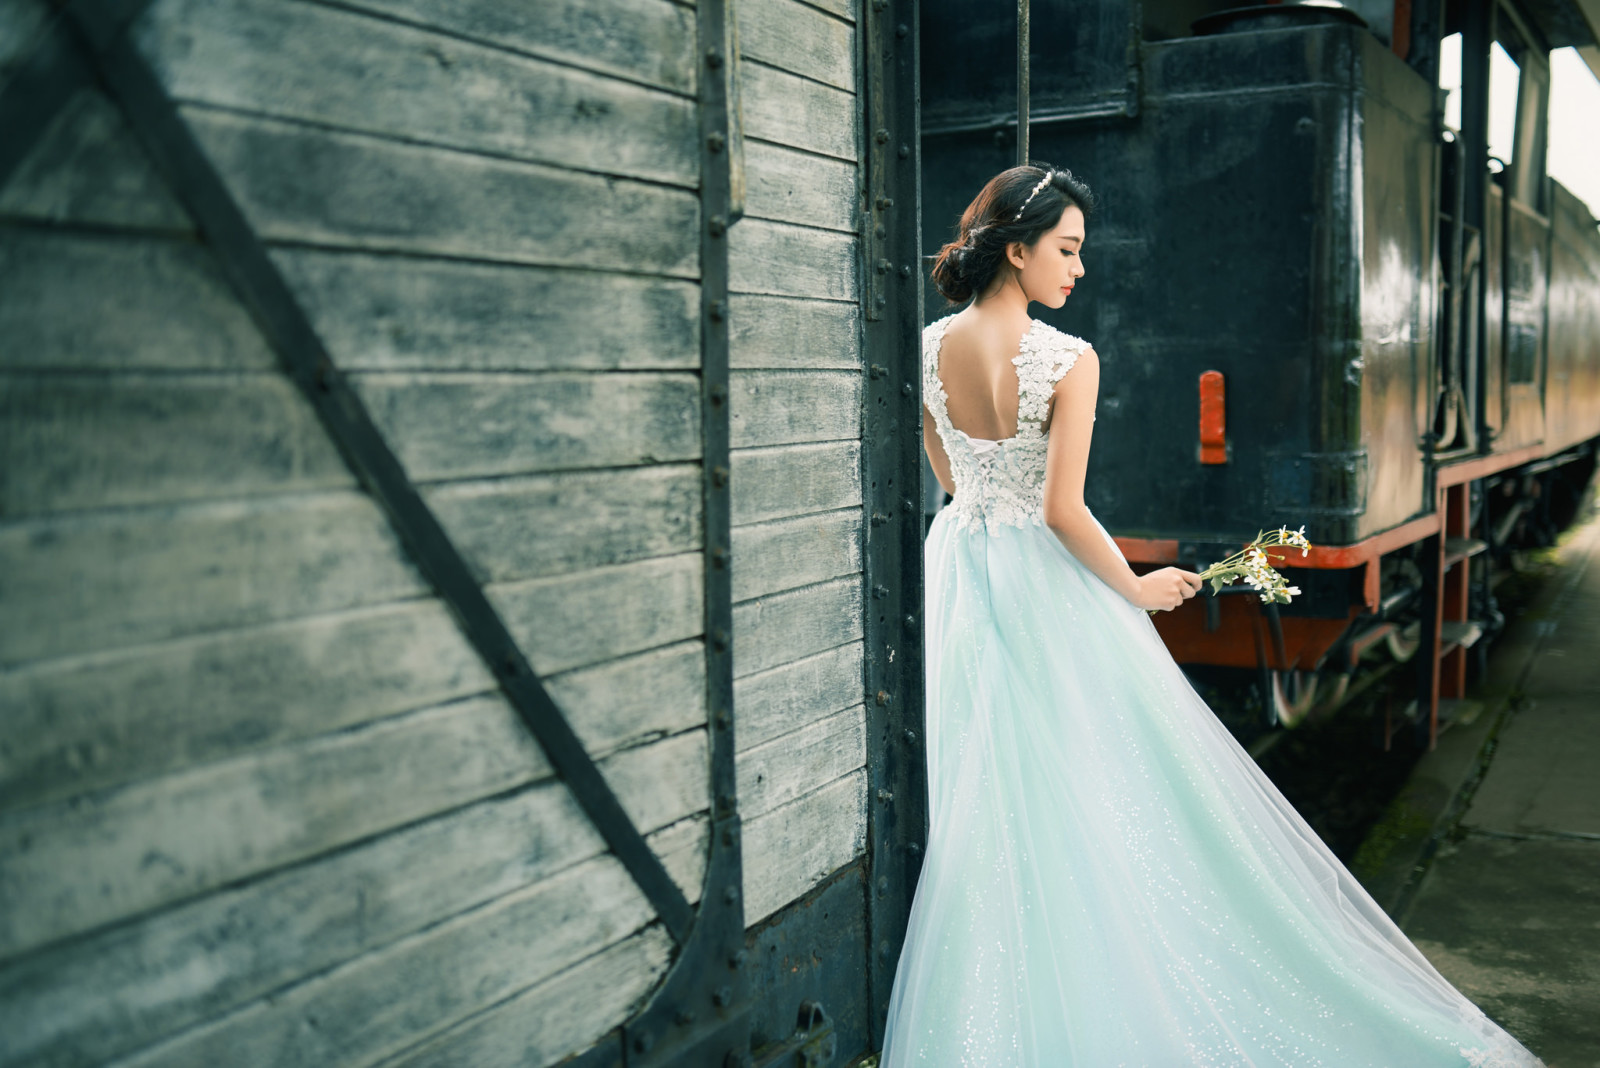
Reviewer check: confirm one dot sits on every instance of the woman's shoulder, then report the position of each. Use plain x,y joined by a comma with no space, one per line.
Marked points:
1055,340
935,328
1055,351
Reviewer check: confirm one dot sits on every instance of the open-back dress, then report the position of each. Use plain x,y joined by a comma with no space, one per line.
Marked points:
1109,878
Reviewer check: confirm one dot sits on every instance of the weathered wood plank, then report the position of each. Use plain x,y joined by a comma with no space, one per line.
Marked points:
785,698
69,584
77,301
800,39
790,186
301,184
649,40
87,723
72,442
389,313
786,626
784,856
375,1006
88,169
844,9
73,866
323,65
804,760
785,407
538,525
636,699
572,620
784,332
794,261
568,1011
85,1001
473,424
794,479
785,553
790,110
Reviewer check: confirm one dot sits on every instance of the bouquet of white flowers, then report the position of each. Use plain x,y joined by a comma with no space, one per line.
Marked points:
1252,563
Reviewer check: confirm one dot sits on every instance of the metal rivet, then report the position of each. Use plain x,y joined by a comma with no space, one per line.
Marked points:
905,272
914,848
911,736
885,796
908,505
731,895
641,1043
877,370
713,58
719,557
905,151
907,388
719,475
719,640
723,997
724,719
719,393
716,226
881,136
718,310
683,1018
737,960
902,30
884,203
715,140
910,622
880,592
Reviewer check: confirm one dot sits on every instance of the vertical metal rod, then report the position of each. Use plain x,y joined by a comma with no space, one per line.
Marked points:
1477,35
1023,33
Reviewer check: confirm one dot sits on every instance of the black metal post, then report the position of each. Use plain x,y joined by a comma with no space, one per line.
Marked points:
892,489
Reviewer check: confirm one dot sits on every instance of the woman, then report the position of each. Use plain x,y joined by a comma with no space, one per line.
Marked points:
1110,879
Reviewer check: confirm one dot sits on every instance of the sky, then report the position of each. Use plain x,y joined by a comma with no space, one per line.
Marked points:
1574,154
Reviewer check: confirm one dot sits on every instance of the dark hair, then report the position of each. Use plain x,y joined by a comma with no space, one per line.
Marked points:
968,264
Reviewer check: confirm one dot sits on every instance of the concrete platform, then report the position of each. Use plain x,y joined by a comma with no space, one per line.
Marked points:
1503,895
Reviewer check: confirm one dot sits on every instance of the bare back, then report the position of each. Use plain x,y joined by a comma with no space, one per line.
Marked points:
977,364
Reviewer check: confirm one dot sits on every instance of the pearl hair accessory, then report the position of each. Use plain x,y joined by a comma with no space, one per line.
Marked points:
1042,183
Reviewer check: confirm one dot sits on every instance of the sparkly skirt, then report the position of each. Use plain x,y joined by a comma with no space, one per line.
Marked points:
1110,879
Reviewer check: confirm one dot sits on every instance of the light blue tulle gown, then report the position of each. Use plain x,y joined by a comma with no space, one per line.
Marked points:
1109,879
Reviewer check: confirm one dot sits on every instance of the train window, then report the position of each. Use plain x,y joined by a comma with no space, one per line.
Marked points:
1574,157
1450,79
1504,76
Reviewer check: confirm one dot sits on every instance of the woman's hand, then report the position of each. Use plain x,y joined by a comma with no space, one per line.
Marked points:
1167,588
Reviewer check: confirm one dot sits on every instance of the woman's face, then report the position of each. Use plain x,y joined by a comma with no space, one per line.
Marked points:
1054,264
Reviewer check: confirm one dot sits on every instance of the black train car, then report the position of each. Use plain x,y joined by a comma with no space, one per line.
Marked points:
1408,339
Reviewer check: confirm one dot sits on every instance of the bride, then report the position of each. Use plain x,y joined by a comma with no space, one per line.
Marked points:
1109,880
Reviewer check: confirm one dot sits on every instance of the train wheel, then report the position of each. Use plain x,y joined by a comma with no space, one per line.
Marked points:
1293,694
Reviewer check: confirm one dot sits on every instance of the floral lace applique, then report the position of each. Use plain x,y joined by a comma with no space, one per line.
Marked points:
1001,483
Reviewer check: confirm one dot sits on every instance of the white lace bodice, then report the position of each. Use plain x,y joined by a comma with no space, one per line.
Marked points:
1001,483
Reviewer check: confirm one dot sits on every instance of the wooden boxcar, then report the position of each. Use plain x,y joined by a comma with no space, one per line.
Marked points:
459,532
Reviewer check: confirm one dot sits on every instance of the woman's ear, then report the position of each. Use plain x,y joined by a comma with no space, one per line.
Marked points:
1014,254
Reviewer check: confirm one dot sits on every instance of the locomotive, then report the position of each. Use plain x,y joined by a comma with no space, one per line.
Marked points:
1316,303
461,515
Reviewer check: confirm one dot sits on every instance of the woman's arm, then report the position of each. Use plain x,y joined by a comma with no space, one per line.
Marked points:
936,455
1066,462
